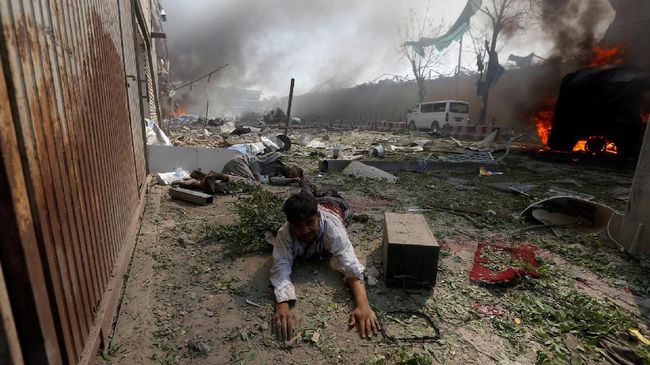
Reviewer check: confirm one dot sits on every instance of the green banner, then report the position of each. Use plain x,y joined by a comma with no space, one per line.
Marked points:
454,33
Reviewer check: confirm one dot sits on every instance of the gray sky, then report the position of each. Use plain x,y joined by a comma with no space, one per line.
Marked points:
344,42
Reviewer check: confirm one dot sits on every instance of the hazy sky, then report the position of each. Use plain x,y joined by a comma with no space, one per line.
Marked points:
337,42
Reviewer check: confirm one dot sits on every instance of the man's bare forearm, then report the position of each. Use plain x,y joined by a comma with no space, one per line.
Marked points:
358,292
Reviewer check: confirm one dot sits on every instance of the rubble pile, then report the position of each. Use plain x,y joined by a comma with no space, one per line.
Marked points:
190,130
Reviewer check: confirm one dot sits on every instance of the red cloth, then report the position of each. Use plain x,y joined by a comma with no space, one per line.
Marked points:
523,253
334,208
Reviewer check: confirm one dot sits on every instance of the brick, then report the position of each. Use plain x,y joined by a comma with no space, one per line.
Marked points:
410,251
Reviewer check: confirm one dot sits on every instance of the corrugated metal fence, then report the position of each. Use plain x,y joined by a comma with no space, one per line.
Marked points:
72,170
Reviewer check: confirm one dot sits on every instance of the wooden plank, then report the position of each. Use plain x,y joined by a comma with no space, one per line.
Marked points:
191,196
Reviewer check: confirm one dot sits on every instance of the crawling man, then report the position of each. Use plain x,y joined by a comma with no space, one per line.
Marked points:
312,230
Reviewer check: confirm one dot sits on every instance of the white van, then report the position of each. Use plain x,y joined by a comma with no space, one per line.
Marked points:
435,115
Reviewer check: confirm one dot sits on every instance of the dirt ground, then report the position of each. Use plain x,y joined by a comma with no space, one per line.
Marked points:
189,300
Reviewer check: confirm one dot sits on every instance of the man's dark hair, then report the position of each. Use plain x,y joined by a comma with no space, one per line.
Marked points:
298,169
300,207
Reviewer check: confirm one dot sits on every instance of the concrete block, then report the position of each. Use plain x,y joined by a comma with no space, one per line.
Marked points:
168,158
410,251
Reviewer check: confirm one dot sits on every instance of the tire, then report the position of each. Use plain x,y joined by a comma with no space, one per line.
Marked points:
435,127
412,126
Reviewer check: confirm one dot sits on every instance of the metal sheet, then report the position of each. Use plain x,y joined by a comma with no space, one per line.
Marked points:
82,160
396,165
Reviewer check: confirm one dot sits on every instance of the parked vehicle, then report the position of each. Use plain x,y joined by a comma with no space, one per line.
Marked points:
435,115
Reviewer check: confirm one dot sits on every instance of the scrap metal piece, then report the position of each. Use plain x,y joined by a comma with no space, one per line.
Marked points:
469,156
359,169
590,217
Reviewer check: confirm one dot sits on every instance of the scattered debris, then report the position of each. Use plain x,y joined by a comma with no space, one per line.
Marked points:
358,169
372,281
489,309
377,151
635,332
315,143
485,172
199,348
155,135
250,302
167,178
315,337
250,149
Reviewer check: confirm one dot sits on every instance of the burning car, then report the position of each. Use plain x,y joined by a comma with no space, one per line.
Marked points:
599,111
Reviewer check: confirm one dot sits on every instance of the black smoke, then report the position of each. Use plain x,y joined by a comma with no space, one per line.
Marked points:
573,25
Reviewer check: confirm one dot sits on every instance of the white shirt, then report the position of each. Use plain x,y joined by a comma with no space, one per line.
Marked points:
332,238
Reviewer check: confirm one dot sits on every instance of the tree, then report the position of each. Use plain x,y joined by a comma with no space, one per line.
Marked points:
421,66
504,19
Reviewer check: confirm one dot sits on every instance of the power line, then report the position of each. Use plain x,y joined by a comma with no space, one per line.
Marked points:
200,78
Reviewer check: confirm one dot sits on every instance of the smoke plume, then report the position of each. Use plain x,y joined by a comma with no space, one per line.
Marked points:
574,26
266,42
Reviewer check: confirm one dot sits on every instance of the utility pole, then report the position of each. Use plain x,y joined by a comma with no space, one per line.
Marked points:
207,99
460,53
286,128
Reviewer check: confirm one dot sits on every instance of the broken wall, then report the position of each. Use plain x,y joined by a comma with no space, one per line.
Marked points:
512,101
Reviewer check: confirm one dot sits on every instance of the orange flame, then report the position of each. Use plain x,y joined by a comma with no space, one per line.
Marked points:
581,146
607,56
584,145
543,119
179,110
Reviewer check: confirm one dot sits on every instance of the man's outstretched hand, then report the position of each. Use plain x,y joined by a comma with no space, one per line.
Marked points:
367,320
284,321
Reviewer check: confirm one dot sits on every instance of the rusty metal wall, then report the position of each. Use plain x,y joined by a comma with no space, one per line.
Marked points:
80,153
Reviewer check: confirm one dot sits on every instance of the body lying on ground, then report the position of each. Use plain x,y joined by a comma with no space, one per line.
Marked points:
266,168
315,228
245,170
